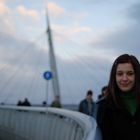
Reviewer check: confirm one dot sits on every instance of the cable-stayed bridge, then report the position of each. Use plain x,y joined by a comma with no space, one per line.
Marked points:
23,65
22,76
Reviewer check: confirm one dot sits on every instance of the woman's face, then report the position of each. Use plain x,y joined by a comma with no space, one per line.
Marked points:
125,76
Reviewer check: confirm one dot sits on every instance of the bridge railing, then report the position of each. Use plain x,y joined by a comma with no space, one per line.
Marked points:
39,123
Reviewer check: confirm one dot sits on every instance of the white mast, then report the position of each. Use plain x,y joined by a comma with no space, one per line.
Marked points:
55,82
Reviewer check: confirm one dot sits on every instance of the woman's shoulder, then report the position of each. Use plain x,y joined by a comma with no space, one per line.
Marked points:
101,100
104,106
106,102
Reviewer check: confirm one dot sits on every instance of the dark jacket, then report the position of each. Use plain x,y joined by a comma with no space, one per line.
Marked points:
83,107
116,123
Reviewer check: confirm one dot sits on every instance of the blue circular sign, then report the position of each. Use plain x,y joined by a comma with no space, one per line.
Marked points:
48,75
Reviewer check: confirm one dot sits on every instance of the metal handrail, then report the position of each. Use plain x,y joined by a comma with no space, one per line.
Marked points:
40,123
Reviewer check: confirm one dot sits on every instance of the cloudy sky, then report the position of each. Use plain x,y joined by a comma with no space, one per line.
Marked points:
87,36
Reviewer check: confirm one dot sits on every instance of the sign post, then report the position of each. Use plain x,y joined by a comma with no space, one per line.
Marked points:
47,76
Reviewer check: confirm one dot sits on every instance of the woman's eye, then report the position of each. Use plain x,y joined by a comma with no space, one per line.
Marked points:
130,73
119,74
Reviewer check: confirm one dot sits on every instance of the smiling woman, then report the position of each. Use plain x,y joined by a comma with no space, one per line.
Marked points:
119,113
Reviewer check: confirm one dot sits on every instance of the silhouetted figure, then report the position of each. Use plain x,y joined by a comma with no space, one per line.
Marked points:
26,102
56,103
44,103
19,103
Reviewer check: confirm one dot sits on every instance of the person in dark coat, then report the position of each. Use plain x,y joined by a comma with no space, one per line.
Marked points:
19,103
56,103
118,114
103,92
101,97
87,105
26,102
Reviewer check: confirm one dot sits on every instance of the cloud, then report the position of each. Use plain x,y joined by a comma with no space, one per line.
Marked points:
126,37
2,1
7,23
71,30
133,12
27,13
3,9
55,10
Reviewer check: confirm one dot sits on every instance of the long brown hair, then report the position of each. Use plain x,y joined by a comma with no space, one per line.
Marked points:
112,86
